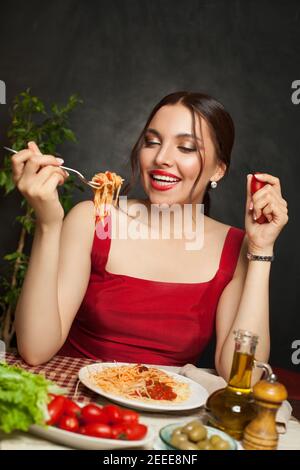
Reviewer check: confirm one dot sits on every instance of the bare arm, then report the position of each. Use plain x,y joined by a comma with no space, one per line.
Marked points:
244,304
59,265
55,284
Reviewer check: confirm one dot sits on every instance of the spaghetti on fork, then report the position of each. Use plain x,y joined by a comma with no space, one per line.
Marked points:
107,193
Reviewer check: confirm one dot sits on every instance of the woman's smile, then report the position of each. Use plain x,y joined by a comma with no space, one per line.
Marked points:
163,180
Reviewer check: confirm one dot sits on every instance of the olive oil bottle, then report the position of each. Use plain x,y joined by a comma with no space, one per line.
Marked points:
232,408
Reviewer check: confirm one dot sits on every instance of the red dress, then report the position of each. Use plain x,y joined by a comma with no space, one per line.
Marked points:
128,319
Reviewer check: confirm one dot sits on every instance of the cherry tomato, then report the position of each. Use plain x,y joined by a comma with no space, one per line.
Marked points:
135,431
69,423
71,408
118,431
96,430
55,409
113,413
93,414
129,416
255,186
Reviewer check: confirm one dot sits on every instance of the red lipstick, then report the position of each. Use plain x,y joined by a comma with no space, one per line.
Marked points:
162,184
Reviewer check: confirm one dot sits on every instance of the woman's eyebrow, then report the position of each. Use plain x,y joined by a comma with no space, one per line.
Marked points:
154,131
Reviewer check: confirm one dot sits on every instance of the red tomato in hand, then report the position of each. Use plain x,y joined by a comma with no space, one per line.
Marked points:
55,409
135,431
93,414
96,430
71,408
255,186
69,423
129,416
113,413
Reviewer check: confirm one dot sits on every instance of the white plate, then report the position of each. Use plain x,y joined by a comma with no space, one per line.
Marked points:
197,398
78,441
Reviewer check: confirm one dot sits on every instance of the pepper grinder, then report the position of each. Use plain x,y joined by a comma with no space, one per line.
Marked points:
261,433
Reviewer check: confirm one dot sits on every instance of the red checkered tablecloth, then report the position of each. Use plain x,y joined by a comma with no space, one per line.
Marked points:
61,370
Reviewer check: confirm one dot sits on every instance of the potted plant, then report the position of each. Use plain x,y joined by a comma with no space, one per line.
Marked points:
30,121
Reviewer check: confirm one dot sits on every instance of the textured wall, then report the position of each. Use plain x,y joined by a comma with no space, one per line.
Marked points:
122,56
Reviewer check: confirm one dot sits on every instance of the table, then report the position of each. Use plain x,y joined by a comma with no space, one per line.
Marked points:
64,371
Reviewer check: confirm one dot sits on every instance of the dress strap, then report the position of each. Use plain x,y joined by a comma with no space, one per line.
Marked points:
101,243
231,250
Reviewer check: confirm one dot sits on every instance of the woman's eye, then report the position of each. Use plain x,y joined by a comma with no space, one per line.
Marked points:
148,143
187,149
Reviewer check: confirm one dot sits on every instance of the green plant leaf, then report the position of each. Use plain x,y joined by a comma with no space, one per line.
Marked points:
3,178
30,121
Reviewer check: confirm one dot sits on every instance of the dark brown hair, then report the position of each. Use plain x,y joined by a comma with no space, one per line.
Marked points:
221,128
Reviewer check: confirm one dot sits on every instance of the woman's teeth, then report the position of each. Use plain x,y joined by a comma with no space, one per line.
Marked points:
164,180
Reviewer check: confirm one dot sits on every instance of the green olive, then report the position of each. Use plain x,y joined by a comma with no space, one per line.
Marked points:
197,434
222,445
209,447
178,439
204,445
177,431
187,446
215,439
191,426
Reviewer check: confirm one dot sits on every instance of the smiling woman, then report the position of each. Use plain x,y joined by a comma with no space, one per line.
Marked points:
196,134
148,300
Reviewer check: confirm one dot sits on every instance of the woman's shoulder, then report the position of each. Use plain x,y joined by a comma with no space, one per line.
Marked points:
80,221
239,244
215,227
129,207
83,209
235,237
219,228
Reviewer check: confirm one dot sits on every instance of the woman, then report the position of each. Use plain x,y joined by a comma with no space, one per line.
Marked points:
131,301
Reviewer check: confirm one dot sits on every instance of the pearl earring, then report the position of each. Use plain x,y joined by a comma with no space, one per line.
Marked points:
213,184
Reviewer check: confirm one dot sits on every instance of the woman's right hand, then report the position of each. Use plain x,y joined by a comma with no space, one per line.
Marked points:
37,177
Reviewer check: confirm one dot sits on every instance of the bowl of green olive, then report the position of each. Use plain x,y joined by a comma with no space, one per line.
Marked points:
194,435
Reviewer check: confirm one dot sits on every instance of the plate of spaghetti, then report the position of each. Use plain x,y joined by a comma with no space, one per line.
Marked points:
143,387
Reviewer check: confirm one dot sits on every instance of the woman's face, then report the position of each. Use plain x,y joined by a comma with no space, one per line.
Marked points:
169,147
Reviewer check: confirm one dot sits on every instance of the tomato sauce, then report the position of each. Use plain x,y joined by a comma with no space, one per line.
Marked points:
156,389
160,391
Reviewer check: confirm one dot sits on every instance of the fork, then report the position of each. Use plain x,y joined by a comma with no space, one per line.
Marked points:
92,184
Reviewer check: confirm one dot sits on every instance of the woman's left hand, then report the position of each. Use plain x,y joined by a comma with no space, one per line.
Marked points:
269,202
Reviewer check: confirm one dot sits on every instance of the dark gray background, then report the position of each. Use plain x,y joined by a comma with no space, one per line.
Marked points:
123,56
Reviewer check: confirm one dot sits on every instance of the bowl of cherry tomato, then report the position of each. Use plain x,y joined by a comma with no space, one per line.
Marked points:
93,426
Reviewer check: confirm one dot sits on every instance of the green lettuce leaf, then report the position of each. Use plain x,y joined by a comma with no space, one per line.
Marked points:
23,398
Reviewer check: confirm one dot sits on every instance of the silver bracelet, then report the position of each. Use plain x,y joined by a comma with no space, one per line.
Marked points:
252,257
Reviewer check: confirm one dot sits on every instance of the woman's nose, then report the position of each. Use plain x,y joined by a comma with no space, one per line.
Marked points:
164,156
